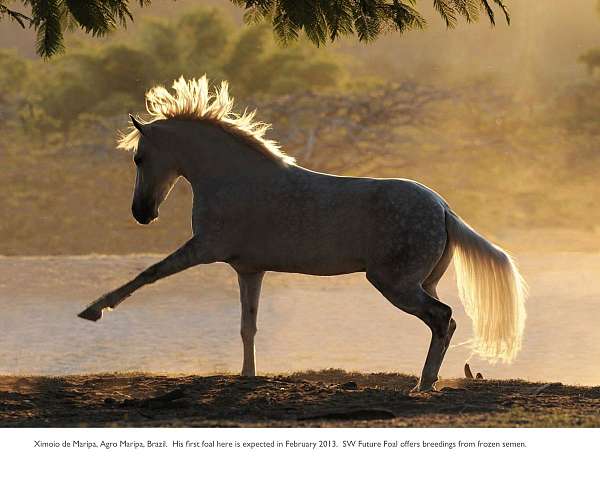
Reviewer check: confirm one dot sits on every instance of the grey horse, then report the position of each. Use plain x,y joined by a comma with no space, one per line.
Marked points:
258,211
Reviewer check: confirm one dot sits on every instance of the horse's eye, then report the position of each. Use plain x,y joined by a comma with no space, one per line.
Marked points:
137,159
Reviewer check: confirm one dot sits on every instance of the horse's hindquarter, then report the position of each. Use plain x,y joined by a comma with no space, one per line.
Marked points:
321,224
410,231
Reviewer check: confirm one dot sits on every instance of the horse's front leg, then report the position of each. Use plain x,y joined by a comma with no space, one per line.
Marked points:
190,254
250,284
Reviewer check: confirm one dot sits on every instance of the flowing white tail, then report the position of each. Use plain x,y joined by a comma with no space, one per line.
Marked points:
491,290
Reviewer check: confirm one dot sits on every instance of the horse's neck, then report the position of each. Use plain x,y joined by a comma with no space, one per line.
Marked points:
215,156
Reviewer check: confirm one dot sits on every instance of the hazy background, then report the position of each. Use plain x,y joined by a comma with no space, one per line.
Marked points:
503,122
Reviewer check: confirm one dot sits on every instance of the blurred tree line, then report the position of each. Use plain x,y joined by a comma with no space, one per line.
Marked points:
579,104
90,85
321,104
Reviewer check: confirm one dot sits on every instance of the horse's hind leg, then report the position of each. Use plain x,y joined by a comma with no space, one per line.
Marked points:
408,295
430,286
431,290
250,284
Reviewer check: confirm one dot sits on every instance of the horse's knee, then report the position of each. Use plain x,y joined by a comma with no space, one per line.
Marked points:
248,332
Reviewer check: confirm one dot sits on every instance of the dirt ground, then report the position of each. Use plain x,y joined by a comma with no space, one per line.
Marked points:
329,398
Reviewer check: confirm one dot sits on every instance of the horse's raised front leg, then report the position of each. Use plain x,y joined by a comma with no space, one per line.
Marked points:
190,254
409,296
250,284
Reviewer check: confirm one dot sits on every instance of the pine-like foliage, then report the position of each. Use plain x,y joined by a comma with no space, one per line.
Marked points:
323,20
13,15
50,18
320,20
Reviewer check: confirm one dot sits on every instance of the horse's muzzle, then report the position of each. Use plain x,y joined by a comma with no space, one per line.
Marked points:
144,216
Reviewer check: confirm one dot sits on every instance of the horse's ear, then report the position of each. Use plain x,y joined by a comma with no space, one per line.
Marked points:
137,124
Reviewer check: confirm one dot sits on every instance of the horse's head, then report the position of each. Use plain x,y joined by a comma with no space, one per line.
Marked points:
156,174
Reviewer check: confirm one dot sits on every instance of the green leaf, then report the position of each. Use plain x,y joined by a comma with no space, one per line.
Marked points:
366,20
469,9
46,16
446,11
13,15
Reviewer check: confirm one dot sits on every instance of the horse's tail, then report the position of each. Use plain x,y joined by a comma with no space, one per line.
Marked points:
491,290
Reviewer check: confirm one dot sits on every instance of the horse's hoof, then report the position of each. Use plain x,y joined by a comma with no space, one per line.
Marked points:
423,388
91,313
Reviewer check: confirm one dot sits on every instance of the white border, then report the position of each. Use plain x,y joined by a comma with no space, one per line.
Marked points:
550,453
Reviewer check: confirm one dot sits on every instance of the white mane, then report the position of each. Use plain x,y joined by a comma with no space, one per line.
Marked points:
193,100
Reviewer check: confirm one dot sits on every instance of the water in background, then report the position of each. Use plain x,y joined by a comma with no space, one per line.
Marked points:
190,323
